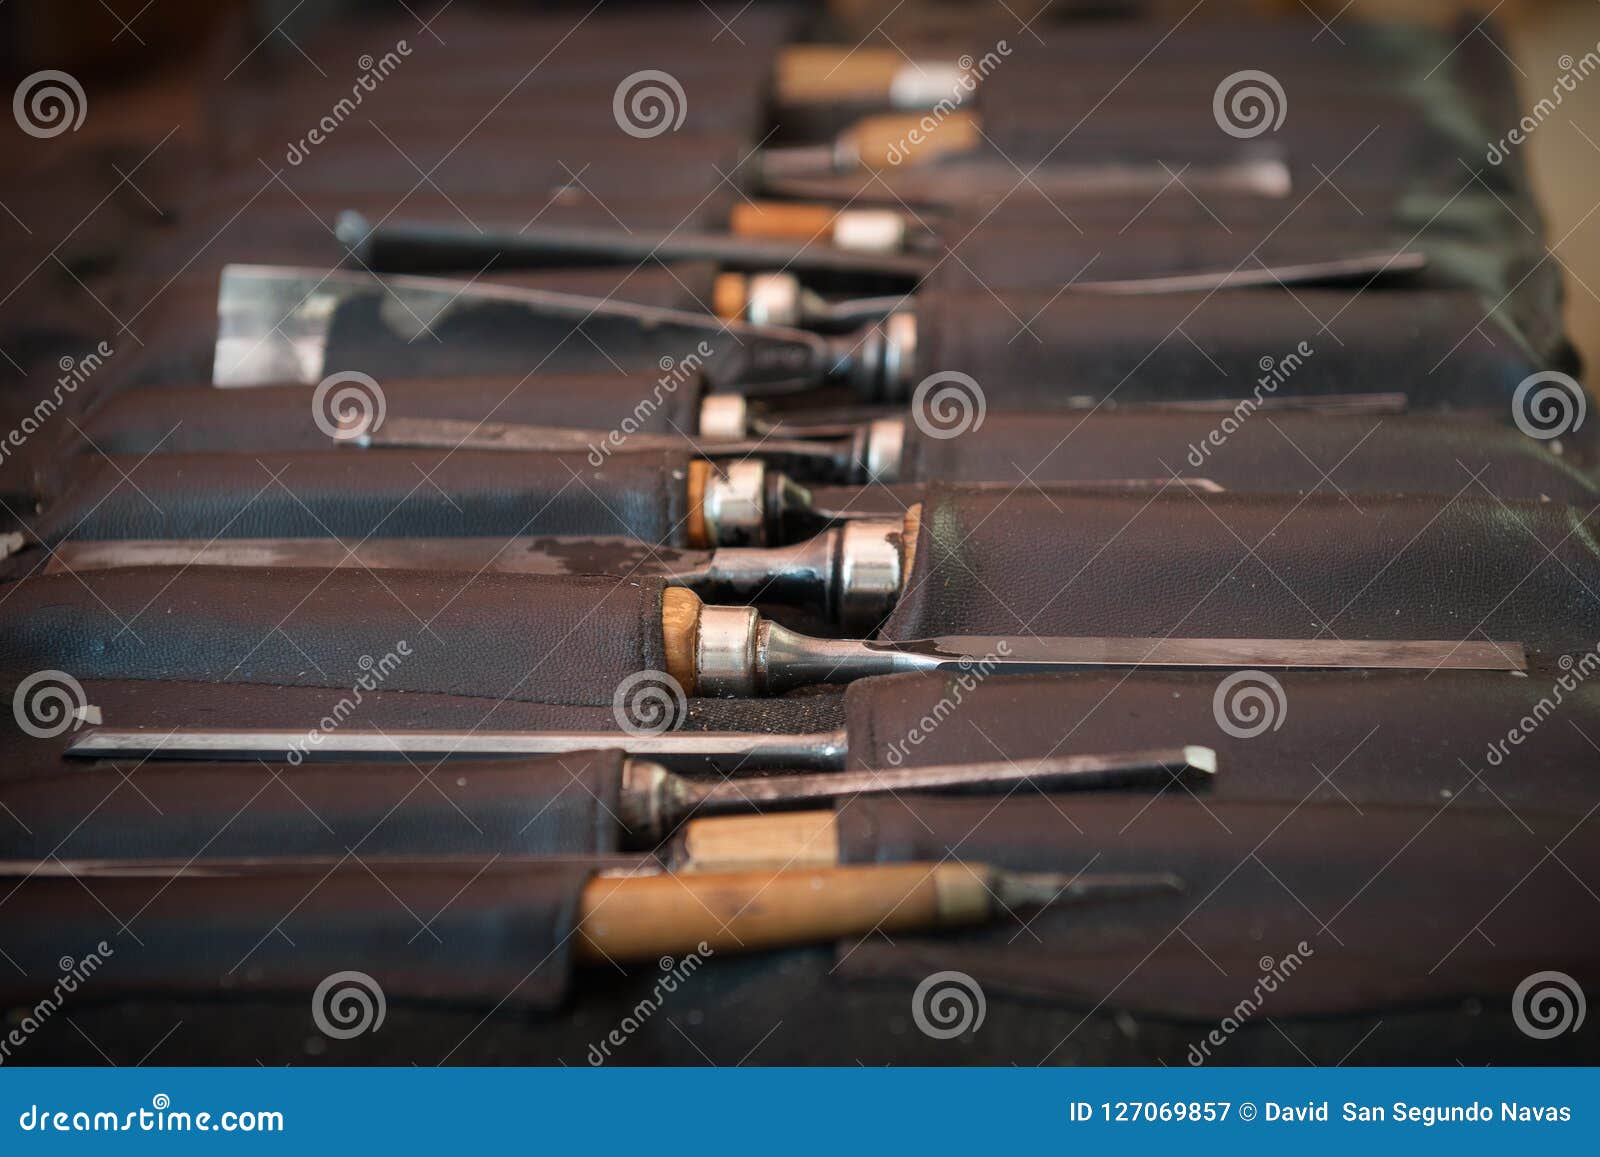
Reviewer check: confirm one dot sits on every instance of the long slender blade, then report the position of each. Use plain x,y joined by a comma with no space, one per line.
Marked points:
1023,654
1153,767
527,555
722,750
1342,269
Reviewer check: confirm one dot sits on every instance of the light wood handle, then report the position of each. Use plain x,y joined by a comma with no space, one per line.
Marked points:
808,839
831,74
695,528
909,529
912,139
782,221
638,918
680,634
730,292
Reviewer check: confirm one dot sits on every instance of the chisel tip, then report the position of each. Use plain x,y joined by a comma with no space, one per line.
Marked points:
1200,759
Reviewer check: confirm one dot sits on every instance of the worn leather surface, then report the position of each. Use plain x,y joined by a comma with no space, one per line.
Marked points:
353,493
1292,452
1481,739
551,640
131,809
1427,345
1006,560
446,931
1395,907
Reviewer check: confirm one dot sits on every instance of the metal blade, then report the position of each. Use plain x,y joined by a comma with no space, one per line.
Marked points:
717,750
545,556
1153,767
1021,654
1353,268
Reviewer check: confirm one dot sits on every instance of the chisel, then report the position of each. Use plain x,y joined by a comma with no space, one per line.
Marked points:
520,923
583,802
851,574
287,324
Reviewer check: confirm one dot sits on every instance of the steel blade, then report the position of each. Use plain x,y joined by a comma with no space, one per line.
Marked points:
1022,654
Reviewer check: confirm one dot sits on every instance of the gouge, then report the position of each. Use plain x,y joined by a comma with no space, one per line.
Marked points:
852,574
583,802
290,324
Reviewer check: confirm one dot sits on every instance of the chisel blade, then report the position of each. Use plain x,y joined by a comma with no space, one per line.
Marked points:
1022,654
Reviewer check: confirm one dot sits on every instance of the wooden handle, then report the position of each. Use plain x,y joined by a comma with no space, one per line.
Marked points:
808,839
695,528
910,527
782,221
642,918
910,139
830,74
680,634
730,292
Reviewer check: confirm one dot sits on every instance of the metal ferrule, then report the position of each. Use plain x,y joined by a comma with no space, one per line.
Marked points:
725,652
883,447
734,504
724,418
853,572
869,231
643,807
899,355
738,653
921,84
774,299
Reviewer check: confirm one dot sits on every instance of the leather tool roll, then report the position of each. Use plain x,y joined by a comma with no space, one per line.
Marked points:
1270,451
998,559
178,419
1380,737
452,930
550,640
1409,896
1095,345
552,806
353,493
